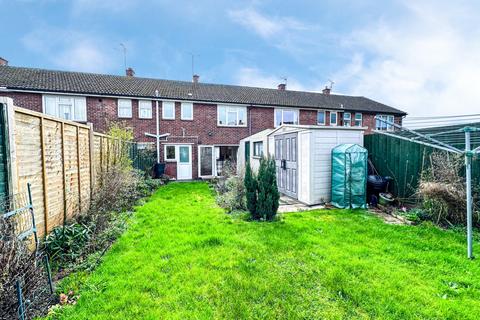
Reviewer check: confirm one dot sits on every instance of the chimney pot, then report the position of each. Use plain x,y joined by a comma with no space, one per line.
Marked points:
326,91
3,62
195,78
282,86
129,72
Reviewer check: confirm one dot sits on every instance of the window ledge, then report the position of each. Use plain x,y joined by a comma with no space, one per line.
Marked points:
227,126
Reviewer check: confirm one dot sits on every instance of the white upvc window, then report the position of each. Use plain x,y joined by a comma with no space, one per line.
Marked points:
321,118
333,118
358,120
258,149
382,125
124,108
186,111
170,153
145,109
168,110
231,116
66,107
286,116
347,119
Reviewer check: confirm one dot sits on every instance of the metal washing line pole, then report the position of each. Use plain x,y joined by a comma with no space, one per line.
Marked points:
468,154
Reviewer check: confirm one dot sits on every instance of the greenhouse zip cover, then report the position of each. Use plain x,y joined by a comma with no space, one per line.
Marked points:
460,139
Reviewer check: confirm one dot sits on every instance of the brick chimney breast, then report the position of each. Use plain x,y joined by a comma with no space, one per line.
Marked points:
282,86
3,62
129,72
195,78
326,91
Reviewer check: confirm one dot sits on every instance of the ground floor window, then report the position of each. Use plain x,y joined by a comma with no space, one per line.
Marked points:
258,149
170,153
212,159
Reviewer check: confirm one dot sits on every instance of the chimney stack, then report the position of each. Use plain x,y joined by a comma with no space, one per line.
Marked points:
326,91
3,62
129,72
282,86
195,78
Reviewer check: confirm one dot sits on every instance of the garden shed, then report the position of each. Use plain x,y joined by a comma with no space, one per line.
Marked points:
302,155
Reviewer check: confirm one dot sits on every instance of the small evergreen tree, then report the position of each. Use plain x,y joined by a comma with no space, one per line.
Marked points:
251,191
268,195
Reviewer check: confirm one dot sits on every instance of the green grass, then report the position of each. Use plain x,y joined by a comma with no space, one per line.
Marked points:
183,258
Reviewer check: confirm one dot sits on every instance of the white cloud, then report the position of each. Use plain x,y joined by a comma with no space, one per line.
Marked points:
71,50
427,63
264,25
254,77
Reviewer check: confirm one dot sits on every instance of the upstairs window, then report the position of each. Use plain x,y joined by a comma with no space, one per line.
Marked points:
333,118
232,116
321,118
187,111
358,119
145,109
124,108
66,107
286,116
347,119
258,149
382,125
168,110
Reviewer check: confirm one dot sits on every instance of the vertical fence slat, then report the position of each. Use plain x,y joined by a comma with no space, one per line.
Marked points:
79,169
44,174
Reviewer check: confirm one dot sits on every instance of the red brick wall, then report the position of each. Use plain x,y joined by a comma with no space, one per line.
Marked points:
308,117
202,129
31,101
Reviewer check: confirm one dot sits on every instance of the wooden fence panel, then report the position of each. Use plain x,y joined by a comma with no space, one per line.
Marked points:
54,172
59,159
29,163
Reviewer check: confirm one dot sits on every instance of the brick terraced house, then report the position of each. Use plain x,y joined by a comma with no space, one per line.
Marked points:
203,123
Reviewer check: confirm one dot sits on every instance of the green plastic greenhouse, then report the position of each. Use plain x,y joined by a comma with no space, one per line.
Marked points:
349,176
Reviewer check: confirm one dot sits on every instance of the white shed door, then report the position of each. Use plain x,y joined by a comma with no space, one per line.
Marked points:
286,160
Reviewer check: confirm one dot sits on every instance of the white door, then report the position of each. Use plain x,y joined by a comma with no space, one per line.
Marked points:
184,164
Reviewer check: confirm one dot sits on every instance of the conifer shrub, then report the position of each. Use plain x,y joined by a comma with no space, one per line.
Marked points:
267,192
251,191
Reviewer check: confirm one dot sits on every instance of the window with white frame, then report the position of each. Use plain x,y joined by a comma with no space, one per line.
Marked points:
333,118
145,109
286,116
170,154
358,119
347,119
258,149
187,111
65,107
321,117
124,108
168,110
232,116
383,125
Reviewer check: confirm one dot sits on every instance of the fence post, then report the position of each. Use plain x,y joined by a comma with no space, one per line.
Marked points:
34,225
64,180
44,174
79,165
21,309
91,151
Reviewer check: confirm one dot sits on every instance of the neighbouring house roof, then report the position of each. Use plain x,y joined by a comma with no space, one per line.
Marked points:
19,78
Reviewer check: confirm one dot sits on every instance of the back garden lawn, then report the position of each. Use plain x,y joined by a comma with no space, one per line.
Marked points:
182,257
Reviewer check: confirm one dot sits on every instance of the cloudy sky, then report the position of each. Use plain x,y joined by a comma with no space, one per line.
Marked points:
419,56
